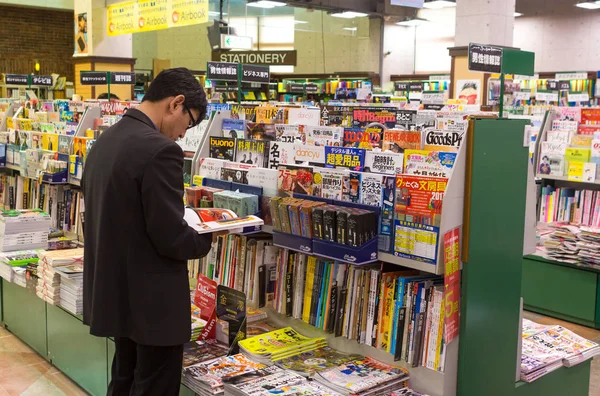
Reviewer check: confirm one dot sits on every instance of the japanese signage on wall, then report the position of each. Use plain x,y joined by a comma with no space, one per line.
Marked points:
272,58
255,74
415,86
485,58
221,71
16,79
145,15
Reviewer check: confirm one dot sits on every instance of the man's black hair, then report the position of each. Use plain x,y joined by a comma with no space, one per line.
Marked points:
178,81
104,95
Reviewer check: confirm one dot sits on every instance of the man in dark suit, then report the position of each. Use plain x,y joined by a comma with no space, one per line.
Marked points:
136,285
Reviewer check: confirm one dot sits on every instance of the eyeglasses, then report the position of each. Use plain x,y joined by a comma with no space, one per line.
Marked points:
193,122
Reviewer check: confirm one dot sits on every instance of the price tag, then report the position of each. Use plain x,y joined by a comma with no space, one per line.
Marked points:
547,96
579,97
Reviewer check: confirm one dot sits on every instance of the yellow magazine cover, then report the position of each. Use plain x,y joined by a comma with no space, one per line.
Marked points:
276,341
50,141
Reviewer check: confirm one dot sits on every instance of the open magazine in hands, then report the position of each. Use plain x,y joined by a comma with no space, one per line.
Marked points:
205,220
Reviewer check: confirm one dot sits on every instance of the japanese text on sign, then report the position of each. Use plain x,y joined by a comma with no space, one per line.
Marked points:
344,157
257,74
122,78
451,283
485,58
93,78
41,80
16,79
221,71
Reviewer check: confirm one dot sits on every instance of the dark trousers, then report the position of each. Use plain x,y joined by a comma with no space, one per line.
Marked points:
144,370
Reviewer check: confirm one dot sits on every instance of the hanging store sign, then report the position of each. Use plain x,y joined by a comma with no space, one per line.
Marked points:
296,87
122,78
143,15
547,96
45,81
311,88
229,41
93,78
255,74
16,79
485,58
271,58
221,71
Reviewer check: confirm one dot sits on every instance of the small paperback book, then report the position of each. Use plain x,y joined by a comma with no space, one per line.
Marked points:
294,179
252,152
222,148
429,163
371,189
387,163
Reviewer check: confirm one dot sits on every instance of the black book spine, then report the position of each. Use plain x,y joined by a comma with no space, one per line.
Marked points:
411,321
262,286
418,339
289,287
332,309
399,334
339,319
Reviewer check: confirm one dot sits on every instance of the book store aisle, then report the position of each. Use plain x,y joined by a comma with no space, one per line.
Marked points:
24,372
587,332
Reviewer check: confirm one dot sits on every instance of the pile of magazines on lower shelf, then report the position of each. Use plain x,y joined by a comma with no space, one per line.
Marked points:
285,362
548,348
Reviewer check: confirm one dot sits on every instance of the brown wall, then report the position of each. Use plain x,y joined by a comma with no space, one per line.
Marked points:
30,34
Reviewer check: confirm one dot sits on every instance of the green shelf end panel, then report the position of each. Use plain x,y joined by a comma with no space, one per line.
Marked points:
77,353
563,290
570,381
25,316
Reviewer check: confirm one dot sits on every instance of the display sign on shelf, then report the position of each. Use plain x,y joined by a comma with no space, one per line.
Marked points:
522,77
485,58
432,98
415,86
311,88
571,76
402,86
579,97
272,58
547,96
451,283
122,78
93,78
522,95
255,74
16,79
294,87
222,71
439,77
45,81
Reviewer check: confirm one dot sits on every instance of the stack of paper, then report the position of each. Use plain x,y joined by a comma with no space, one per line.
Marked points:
279,344
363,377
406,392
206,378
6,272
24,229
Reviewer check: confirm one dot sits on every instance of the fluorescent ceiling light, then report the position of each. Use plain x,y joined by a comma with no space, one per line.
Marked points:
518,14
435,4
354,29
412,22
589,5
297,22
215,13
349,14
266,4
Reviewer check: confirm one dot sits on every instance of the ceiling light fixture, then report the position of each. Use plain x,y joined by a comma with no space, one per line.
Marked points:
353,29
518,14
589,5
266,4
349,14
412,22
437,4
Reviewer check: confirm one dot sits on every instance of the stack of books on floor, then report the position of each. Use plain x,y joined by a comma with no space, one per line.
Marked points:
279,344
68,265
24,229
548,348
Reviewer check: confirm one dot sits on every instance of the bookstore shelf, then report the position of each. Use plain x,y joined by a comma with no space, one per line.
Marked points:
408,263
566,179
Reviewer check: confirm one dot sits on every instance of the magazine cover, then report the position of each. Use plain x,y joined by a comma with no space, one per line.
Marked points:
233,128
276,341
345,157
386,227
235,175
252,152
260,131
340,116
213,372
290,133
355,182
332,184
324,136
397,141
367,138
281,153
308,363
270,114
386,163
385,116
429,163
222,148
294,179
440,140
244,112
406,119
64,142
200,351
371,189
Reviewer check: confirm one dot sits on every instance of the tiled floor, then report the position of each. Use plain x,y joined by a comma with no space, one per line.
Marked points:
24,372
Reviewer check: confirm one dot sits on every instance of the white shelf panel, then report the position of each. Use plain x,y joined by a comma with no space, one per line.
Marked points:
414,264
566,179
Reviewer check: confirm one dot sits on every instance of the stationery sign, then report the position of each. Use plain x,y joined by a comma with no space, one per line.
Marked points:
255,74
485,58
45,81
451,283
93,78
122,78
142,15
221,71
16,79
344,157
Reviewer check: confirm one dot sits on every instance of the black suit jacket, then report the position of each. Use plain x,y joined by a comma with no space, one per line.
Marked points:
136,241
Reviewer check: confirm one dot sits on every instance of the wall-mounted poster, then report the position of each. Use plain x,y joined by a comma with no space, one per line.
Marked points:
81,46
469,90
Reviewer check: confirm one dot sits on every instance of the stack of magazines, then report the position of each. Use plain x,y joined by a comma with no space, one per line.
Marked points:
279,344
206,378
197,352
272,381
573,244
311,362
406,392
364,377
551,348
24,229
68,265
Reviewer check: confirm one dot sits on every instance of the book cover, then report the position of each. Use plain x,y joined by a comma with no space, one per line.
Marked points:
64,143
336,116
429,163
364,117
231,307
440,140
294,179
371,189
345,157
233,128
304,116
577,154
397,140
324,136
252,152
260,131
290,133
313,155
384,162
269,114
281,153
205,298
406,119
552,158
355,180
235,175
367,138
330,183
386,226
50,141
419,199
222,148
